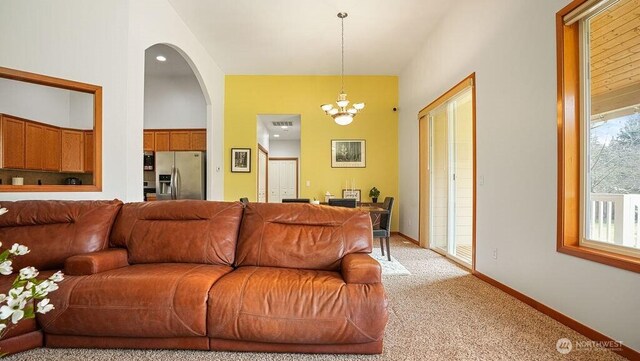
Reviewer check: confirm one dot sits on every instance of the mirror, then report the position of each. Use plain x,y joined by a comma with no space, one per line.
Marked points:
50,134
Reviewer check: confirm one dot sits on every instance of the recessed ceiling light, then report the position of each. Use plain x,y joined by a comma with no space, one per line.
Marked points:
161,58
276,135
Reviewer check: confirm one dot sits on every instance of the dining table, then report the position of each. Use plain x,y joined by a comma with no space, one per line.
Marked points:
375,212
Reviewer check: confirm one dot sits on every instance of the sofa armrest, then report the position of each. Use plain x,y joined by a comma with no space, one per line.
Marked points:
361,268
95,262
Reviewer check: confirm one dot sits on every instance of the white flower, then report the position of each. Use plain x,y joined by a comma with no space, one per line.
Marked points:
14,309
3,211
5,268
44,306
2,327
45,287
19,250
16,293
57,277
3,297
28,273
52,287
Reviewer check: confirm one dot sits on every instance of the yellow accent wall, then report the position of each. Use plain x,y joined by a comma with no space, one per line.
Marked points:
247,96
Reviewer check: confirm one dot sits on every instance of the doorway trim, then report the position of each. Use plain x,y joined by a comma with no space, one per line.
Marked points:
266,174
424,173
297,170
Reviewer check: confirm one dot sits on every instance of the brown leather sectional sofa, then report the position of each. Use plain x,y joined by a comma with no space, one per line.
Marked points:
200,275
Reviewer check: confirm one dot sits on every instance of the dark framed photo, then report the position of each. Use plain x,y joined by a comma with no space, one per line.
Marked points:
348,153
351,194
241,160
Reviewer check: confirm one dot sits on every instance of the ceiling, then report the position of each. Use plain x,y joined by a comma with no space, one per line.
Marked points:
175,65
303,36
615,59
290,133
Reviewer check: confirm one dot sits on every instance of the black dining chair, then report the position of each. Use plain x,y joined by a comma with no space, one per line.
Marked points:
295,200
244,200
343,202
385,226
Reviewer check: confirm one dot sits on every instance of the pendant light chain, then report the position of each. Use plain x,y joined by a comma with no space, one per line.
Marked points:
342,86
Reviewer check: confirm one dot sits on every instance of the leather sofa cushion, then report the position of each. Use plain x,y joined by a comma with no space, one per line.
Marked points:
149,300
182,231
301,235
55,230
280,305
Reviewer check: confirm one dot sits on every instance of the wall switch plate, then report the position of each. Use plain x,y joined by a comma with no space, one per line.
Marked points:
495,253
481,180
308,183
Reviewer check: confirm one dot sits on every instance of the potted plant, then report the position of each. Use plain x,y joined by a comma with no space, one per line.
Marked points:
374,193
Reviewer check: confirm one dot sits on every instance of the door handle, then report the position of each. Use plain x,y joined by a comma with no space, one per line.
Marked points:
173,183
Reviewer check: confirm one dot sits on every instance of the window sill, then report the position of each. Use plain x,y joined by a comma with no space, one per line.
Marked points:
609,258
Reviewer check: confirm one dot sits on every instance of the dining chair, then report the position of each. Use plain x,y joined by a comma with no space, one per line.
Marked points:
244,200
384,233
343,202
295,200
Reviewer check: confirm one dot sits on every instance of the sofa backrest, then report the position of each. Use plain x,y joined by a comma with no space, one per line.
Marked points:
181,231
295,235
56,230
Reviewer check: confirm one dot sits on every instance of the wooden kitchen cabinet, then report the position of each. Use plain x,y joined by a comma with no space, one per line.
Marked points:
51,148
149,141
161,141
88,151
34,135
13,136
174,140
72,159
199,140
180,140
42,147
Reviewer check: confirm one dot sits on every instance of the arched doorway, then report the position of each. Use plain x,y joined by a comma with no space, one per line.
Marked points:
175,126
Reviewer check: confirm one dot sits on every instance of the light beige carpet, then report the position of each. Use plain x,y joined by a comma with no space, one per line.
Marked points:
439,312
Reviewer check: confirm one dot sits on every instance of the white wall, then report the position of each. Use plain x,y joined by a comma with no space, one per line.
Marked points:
510,44
173,102
80,110
154,22
262,133
78,40
35,102
103,42
285,148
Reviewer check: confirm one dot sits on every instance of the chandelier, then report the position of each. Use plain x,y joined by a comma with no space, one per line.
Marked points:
341,114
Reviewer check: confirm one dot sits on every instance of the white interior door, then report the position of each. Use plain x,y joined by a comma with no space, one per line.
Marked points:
262,176
283,179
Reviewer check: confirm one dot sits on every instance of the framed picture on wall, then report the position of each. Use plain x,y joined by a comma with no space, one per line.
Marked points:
351,194
241,160
348,153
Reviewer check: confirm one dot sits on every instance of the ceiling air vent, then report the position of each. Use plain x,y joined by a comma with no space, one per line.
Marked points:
283,124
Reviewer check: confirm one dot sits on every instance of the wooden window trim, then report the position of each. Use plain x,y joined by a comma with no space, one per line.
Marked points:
569,146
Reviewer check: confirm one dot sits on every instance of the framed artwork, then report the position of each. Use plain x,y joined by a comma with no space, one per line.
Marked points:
351,194
348,153
241,160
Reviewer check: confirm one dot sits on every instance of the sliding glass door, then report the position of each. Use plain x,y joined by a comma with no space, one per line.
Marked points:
451,177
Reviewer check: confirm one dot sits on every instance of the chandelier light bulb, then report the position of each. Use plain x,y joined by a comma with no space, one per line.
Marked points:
333,111
326,107
342,103
352,111
343,119
358,106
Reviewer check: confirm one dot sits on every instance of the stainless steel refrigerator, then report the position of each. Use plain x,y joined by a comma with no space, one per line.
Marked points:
180,175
